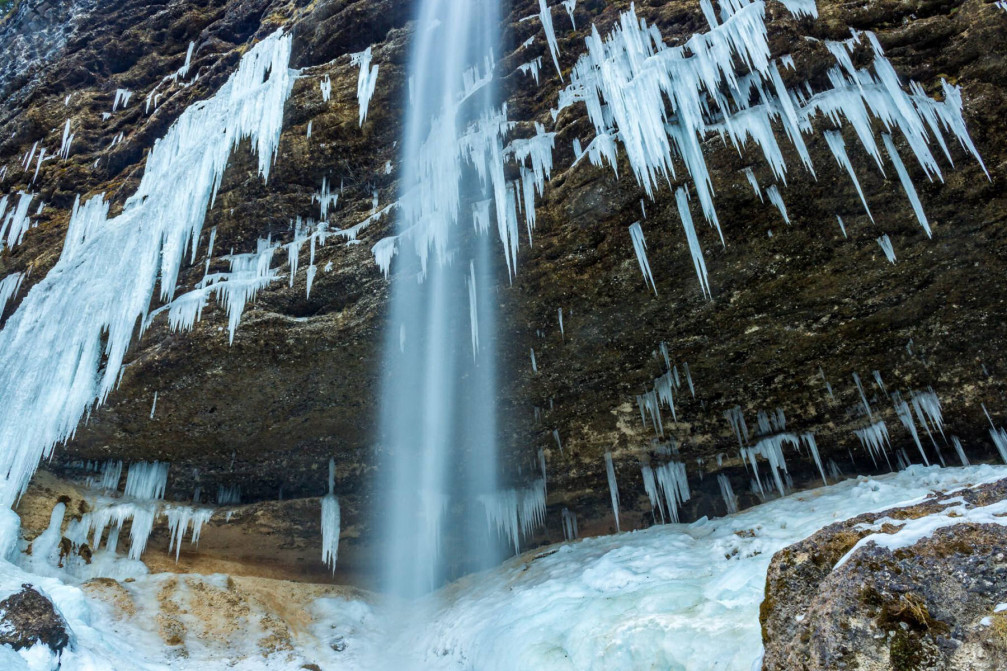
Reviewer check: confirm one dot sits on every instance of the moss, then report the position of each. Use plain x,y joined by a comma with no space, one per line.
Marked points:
912,611
906,651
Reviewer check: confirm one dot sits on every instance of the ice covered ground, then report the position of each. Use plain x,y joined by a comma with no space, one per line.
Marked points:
680,596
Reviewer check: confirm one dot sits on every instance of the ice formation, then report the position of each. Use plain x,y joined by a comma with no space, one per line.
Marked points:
771,449
63,348
569,520
673,486
15,222
886,246
960,451
64,147
228,495
367,80
682,200
326,87
516,513
182,519
773,193
146,480
842,226
545,15
330,521
570,6
838,147
532,67
640,247
809,440
727,492
153,406
122,97
613,487
907,183
873,438
9,286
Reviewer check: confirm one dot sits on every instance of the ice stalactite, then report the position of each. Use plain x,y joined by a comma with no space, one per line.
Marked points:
122,97
16,221
569,520
146,480
613,487
64,346
682,200
182,519
727,492
809,440
516,513
325,85
874,438
64,147
773,194
640,247
771,449
886,246
532,68
838,147
228,495
330,521
367,80
153,406
545,15
673,485
907,183
9,286
959,450
570,6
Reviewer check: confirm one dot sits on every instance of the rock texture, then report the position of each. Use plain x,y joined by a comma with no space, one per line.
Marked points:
930,605
27,618
297,386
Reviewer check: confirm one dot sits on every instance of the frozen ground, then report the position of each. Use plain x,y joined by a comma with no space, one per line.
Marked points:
671,597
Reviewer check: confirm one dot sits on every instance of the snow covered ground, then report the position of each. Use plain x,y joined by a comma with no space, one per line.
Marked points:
671,597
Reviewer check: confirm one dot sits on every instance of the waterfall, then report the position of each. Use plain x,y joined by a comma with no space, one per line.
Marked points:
437,433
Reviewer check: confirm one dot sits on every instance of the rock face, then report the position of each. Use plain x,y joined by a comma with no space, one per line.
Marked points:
929,605
27,618
298,384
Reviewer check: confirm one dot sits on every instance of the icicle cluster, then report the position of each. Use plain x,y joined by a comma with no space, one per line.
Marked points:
515,513
62,350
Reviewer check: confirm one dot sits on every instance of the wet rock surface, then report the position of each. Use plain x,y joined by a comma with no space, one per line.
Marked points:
299,383
28,618
929,605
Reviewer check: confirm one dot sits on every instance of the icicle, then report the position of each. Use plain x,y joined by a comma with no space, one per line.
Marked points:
562,333
474,314
650,487
532,68
753,182
569,524
842,226
886,246
640,247
727,492
958,449
545,15
571,5
773,193
514,513
122,97
153,406
310,123
879,381
555,435
181,519
838,147
674,487
230,495
64,147
9,285
809,440
534,365
863,396
873,438
613,488
907,184
326,86
682,200
330,521
366,81
146,480
64,346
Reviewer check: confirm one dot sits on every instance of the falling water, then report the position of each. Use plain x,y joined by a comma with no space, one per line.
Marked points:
438,412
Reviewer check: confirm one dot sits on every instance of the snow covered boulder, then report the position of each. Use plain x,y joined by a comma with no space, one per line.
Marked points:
27,618
916,587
